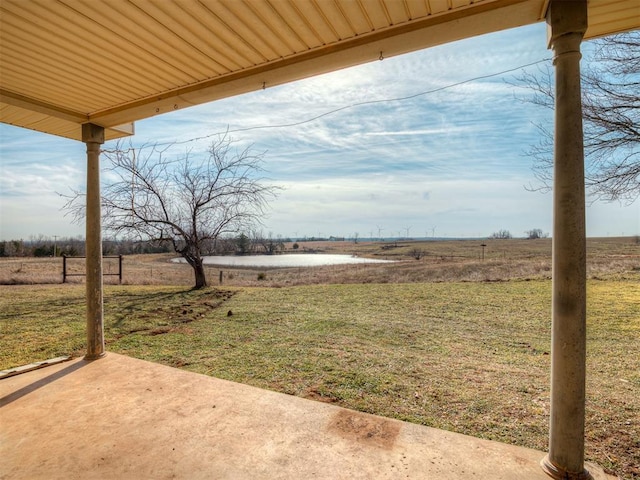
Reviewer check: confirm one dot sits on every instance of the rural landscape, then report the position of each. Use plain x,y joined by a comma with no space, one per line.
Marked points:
453,334
166,135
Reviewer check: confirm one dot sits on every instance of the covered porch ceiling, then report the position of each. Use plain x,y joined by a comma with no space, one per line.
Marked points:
64,63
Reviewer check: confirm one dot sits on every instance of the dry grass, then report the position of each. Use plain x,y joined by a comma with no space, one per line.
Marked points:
444,261
471,357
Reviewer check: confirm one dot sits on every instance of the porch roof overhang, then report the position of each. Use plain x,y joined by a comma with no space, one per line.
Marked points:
64,63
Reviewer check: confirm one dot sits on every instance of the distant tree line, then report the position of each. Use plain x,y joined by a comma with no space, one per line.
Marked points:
532,234
43,246
252,243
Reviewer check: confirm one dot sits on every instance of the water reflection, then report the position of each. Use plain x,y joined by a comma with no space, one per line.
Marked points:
297,260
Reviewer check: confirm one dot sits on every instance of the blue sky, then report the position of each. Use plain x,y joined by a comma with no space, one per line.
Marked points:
451,163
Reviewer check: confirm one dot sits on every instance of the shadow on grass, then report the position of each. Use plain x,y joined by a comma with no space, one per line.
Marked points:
132,303
47,305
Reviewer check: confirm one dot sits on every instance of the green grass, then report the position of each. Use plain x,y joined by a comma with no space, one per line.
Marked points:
467,357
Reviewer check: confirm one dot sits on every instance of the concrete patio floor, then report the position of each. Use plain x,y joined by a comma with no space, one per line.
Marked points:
122,418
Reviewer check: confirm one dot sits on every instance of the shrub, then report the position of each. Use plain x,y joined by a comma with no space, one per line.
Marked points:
416,253
501,234
536,233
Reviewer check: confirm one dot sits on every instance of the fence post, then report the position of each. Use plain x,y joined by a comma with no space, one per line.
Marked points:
220,277
64,268
120,269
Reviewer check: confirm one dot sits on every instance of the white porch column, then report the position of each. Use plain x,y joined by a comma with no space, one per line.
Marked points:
93,136
567,20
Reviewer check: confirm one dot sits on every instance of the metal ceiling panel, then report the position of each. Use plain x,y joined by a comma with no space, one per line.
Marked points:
417,8
67,62
439,6
55,125
606,16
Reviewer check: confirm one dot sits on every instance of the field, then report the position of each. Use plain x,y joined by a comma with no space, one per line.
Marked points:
441,261
450,340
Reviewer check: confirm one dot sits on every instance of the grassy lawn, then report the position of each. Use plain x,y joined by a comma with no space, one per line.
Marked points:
471,357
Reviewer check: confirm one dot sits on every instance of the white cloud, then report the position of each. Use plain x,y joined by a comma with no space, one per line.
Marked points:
423,131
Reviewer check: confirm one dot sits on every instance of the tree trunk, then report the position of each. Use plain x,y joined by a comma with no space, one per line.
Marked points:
198,270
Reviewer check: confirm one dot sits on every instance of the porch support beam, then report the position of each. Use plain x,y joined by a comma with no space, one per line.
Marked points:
567,21
93,137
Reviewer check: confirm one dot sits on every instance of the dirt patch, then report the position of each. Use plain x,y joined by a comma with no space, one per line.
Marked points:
312,393
160,331
366,429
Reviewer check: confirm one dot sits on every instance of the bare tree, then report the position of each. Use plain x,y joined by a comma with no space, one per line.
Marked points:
501,234
536,233
611,115
269,245
186,201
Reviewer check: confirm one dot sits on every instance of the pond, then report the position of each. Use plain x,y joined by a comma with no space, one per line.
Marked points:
287,260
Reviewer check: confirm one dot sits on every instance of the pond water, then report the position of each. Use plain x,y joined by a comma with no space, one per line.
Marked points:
297,260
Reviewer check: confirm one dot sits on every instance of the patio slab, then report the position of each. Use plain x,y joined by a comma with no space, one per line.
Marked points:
123,418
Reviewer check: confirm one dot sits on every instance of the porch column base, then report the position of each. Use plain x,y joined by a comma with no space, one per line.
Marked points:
558,473
94,356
